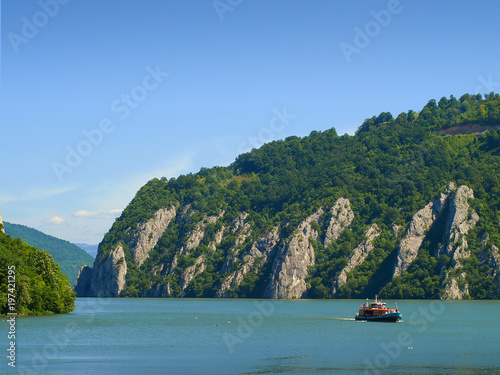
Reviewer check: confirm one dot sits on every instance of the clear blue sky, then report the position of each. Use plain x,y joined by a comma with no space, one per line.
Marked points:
162,88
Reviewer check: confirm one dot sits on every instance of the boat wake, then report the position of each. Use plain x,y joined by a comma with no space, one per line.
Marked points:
344,319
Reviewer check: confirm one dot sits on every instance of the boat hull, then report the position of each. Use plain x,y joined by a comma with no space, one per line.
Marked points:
394,317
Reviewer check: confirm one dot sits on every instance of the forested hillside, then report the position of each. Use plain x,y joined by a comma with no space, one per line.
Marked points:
31,283
68,256
400,209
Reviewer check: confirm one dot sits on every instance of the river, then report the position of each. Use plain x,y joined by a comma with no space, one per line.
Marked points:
235,336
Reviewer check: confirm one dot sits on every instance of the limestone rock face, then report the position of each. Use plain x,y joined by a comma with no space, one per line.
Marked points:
263,249
493,261
190,273
148,234
293,259
198,233
82,284
415,234
456,288
242,229
358,256
461,220
108,276
341,217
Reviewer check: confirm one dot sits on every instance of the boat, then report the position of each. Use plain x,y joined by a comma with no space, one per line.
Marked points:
378,311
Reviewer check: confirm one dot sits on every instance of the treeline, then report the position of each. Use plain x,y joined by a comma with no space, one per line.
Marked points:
389,169
67,255
31,282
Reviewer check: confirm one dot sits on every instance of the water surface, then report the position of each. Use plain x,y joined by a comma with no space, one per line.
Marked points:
232,336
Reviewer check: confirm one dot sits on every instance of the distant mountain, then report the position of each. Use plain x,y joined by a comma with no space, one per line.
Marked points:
408,207
69,256
91,249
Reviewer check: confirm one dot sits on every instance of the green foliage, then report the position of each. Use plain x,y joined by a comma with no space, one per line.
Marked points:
389,169
67,255
40,287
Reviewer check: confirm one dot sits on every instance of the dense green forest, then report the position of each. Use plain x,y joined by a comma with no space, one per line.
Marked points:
31,276
391,168
69,256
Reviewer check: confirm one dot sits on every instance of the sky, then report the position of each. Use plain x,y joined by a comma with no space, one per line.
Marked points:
97,97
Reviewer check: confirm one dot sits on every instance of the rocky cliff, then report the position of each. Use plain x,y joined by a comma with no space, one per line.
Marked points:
262,250
1,223
215,241
460,221
491,258
108,277
146,235
290,267
322,216
418,228
359,255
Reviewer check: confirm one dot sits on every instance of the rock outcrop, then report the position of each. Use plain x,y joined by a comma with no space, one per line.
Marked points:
456,287
415,234
1,223
198,233
341,217
492,260
241,228
292,261
461,219
83,281
263,249
108,276
190,273
359,255
147,234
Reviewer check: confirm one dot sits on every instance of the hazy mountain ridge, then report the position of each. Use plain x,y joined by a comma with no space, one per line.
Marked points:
69,256
415,215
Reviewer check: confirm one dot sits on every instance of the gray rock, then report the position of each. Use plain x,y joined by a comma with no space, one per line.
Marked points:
108,276
461,219
241,227
359,255
456,287
190,273
82,284
147,234
262,250
290,267
341,217
415,234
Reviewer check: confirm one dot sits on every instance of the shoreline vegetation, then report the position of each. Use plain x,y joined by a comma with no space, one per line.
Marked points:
31,282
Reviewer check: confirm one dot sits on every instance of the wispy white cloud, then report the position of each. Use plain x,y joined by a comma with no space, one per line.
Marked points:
35,194
99,213
6,198
56,220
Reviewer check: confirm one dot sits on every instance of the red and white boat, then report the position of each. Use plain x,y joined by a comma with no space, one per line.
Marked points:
378,312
